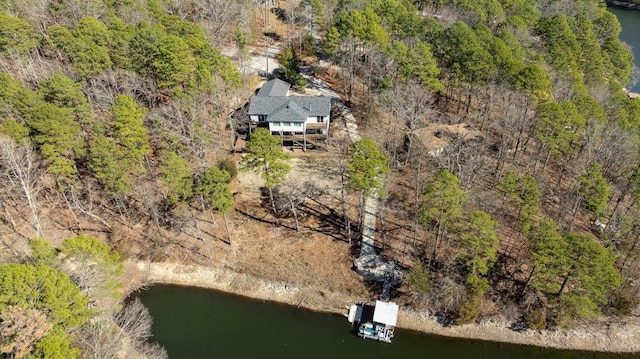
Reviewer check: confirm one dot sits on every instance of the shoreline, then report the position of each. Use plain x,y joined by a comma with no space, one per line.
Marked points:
627,5
616,338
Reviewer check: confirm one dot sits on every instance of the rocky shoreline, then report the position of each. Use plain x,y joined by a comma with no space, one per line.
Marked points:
623,4
611,337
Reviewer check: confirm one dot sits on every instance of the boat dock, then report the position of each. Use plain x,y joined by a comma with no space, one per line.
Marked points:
374,321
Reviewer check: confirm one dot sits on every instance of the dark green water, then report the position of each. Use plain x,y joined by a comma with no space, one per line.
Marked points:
630,21
196,323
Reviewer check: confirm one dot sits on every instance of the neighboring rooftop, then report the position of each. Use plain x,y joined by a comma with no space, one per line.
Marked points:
275,87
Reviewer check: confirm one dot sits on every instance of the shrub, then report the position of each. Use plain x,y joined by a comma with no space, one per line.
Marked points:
229,166
469,310
536,319
419,280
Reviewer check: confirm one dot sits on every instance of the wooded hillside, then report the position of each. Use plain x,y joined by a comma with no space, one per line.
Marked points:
513,150
537,212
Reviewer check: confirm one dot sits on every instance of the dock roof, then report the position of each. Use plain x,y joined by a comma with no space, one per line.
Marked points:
386,313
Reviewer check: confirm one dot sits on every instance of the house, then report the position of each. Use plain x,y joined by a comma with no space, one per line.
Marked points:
294,118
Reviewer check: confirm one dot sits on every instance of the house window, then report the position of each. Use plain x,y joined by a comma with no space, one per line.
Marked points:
262,118
297,124
320,118
286,123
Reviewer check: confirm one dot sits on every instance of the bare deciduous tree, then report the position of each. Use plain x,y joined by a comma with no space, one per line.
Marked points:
135,320
126,331
21,168
220,17
20,329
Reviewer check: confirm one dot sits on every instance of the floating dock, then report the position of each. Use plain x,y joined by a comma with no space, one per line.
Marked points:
374,321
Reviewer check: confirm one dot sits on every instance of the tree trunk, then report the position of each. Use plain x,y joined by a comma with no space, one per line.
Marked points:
273,205
295,212
347,224
526,284
416,219
564,283
226,226
631,249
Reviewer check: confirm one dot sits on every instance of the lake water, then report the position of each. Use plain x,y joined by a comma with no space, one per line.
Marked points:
194,323
630,21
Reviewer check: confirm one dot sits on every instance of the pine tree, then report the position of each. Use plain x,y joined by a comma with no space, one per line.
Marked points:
213,187
479,243
290,68
129,129
441,205
264,154
367,167
178,176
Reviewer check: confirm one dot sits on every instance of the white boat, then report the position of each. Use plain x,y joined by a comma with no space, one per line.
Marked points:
374,321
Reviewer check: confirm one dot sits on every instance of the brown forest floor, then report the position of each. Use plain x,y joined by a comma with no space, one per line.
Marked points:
310,267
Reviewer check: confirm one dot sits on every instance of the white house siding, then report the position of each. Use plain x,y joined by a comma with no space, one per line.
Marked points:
286,126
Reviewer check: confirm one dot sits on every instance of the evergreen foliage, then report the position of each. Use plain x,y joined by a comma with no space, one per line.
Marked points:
560,127
44,288
86,46
116,161
213,186
55,345
419,280
42,252
367,167
58,137
96,259
594,189
479,243
290,67
110,165
541,80
442,200
14,129
177,175
129,129
416,63
549,256
16,35
90,250
264,154
60,90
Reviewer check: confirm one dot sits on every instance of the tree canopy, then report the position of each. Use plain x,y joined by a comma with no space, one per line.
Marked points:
367,167
264,155
42,290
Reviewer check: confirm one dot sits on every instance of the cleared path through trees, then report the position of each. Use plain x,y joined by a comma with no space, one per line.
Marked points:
369,264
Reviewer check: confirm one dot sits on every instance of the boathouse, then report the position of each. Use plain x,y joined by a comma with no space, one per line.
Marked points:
374,321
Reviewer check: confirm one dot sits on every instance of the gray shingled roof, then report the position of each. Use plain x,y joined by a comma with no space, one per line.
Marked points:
264,105
272,100
274,87
301,106
289,112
